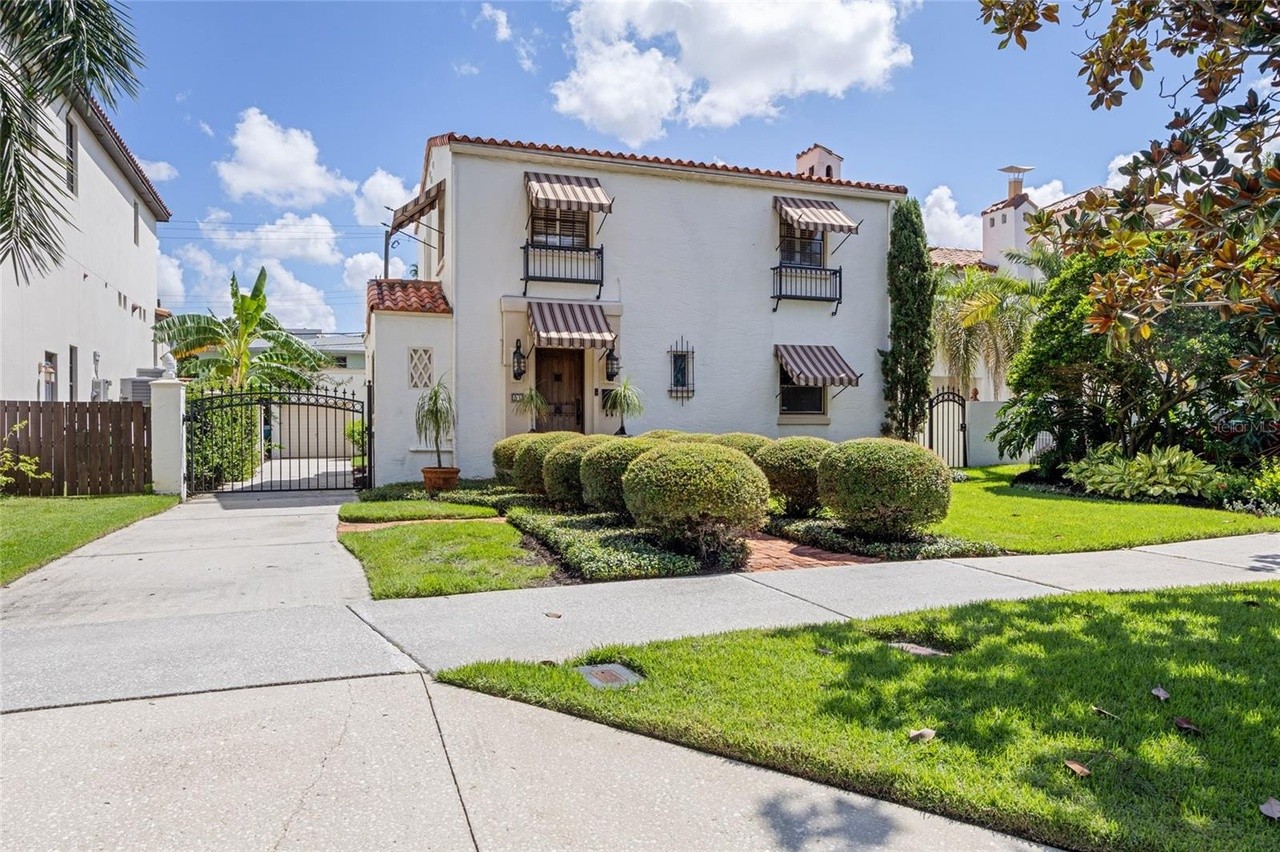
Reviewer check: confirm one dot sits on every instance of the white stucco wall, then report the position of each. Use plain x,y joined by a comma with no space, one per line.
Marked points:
103,296
981,418
398,454
685,255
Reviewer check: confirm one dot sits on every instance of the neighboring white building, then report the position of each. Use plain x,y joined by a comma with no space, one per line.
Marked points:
733,298
91,317
346,349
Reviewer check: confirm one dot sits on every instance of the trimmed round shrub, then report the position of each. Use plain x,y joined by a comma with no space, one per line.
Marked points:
504,456
560,469
661,434
532,453
884,488
602,468
699,497
691,437
791,466
744,441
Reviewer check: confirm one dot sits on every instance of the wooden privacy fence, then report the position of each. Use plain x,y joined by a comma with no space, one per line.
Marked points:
89,447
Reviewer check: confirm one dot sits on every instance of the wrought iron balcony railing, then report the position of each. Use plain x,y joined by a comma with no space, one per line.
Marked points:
807,284
564,264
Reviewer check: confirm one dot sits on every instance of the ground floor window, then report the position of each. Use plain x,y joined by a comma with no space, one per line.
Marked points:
799,399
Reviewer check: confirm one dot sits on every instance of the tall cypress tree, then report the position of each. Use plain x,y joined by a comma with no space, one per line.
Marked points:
907,363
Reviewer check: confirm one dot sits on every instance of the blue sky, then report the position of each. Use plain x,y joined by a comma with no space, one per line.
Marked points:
280,129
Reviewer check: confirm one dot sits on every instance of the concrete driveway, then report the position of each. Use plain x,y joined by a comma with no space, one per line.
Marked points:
213,554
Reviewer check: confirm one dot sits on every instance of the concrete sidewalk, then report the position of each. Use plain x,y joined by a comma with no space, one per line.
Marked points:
400,762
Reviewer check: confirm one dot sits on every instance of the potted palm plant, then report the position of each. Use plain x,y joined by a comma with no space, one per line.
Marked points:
531,404
625,399
434,416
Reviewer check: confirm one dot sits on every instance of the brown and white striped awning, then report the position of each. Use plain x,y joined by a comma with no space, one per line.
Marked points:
570,325
813,214
566,192
815,366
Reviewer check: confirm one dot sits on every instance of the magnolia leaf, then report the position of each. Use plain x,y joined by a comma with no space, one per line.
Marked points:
1252,604
1159,692
826,652
1271,808
552,615
1078,768
1185,724
922,736
1101,712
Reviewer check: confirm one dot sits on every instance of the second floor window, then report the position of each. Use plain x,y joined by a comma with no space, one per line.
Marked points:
560,228
802,247
73,158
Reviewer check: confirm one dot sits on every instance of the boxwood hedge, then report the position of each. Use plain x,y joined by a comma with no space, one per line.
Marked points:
531,455
791,466
561,477
884,488
602,469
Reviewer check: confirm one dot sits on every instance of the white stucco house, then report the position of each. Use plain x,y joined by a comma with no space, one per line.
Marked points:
91,316
734,298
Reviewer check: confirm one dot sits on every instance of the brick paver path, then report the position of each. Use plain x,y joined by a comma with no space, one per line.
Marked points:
770,553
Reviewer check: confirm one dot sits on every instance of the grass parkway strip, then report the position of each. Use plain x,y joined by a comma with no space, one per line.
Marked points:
1026,687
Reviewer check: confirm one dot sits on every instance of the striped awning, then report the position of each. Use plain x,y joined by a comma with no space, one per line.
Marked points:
570,325
813,214
415,208
815,366
566,192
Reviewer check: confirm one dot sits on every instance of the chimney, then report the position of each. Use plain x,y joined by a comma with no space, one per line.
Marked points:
1015,174
819,161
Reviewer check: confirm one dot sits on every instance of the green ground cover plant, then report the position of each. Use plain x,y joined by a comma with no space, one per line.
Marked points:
830,534
448,558
37,530
410,510
602,546
988,507
1028,686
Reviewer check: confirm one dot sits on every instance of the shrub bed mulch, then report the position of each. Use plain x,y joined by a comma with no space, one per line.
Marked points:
830,535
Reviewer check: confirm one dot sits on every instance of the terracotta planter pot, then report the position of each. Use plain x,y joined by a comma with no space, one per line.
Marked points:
437,479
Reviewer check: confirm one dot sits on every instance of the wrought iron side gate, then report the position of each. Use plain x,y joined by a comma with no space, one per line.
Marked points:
946,431
278,439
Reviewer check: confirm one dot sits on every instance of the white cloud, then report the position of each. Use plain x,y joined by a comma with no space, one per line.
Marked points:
310,238
638,65
945,225
465,69
1115,180
1046,193
208,286
359,268
501,27
205,128
294,302
158,170
169,286
526,52
280,165
378,192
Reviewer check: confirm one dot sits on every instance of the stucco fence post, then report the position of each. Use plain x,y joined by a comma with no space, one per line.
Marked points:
168,437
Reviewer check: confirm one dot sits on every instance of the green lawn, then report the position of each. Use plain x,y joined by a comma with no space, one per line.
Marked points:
988,508
424,560
37,530
409,510
834,703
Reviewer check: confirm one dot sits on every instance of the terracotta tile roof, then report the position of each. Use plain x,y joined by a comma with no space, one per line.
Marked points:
1065,204
1015,202
823,147
451,138
959,258
123,157
406,295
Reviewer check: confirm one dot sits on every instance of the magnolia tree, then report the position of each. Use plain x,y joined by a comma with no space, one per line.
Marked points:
1211,184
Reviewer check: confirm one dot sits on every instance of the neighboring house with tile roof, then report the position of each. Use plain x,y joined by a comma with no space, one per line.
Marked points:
958,258
88,321
734,298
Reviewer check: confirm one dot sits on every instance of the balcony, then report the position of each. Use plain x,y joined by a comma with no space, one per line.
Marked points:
807,284
564,264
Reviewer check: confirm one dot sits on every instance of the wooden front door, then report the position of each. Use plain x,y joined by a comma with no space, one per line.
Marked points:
559,380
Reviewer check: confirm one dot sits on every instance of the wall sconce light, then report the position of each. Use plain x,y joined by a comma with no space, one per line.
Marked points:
518,362
612,365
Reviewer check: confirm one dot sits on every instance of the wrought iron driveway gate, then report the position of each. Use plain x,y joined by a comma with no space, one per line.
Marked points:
278,439
946,432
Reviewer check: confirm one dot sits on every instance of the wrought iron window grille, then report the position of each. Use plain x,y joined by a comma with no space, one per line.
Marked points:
680,360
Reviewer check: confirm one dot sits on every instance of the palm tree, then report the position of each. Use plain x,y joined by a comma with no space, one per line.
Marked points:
625,399
224,345
983,317
1041,257
52,50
